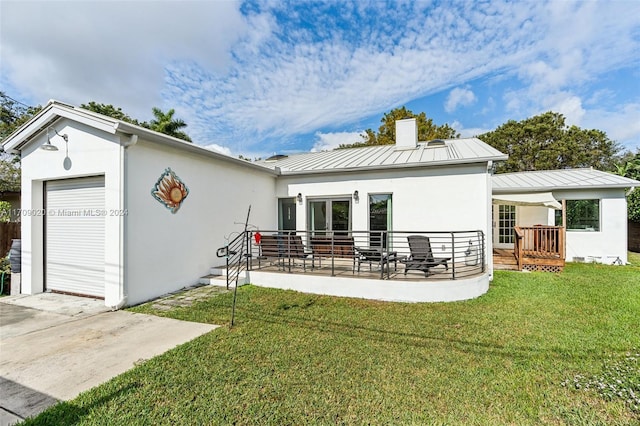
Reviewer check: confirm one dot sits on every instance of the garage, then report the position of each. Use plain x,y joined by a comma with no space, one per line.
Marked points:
75,236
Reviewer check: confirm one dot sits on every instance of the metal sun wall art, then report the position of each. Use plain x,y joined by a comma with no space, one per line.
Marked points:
170,190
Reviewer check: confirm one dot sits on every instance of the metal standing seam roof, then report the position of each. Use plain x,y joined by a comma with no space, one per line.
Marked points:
454,151
547,180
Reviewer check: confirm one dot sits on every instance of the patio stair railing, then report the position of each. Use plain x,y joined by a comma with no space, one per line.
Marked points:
235,254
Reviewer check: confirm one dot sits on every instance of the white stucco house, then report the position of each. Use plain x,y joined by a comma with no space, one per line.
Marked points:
117,211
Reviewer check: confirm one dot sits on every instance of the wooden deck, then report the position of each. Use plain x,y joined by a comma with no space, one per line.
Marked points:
534,256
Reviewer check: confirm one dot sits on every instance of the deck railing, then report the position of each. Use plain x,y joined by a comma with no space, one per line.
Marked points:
442,254
539,241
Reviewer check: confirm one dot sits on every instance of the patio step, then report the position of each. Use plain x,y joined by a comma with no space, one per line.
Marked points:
218,277
216,280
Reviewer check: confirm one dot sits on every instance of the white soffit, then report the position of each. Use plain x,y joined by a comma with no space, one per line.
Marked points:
545,199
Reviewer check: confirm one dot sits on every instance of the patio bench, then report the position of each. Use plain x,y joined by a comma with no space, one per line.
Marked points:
338,246
280,247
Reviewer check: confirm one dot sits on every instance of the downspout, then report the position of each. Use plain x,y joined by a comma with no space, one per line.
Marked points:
126,143
488,239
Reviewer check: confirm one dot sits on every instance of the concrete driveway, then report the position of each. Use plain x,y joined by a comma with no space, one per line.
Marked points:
53,347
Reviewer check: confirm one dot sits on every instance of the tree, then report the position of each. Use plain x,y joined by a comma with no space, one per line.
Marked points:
13,114
165,123
9,173
110,111
630,167
5,211
544,142
386,134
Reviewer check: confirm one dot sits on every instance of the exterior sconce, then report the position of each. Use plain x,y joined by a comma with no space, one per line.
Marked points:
48,146
299,197
356,196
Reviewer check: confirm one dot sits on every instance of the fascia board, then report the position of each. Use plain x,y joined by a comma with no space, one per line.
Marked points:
51,113
155,137
513,189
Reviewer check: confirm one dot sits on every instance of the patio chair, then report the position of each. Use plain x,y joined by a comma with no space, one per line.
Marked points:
294,249
377,252
421,258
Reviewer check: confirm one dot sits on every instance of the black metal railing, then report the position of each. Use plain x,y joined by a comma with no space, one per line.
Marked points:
236,257
388,254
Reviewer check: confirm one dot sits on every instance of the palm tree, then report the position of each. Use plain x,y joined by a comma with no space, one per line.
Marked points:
165,123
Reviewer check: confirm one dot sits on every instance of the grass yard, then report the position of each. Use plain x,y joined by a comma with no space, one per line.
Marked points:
304,359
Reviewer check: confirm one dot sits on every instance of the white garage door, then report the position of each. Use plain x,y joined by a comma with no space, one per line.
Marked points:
74,236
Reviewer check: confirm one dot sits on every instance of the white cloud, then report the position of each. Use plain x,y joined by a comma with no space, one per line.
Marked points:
111,52
219,149
241,75
571,107
470,131
621,124
459,97
329,141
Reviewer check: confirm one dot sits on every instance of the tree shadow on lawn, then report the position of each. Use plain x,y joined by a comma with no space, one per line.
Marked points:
422,340
68,413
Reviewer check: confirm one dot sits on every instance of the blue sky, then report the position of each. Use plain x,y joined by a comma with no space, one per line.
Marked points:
256,78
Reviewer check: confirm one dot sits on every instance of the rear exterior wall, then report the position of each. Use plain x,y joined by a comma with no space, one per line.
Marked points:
453,198
610,242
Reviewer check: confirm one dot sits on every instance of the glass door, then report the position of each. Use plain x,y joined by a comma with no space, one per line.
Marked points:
330,215
379,219
318,222
287,214
504,220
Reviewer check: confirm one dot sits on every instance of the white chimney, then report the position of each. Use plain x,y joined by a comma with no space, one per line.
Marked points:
406,134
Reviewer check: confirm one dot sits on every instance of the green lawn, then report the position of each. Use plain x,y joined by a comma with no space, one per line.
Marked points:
303,359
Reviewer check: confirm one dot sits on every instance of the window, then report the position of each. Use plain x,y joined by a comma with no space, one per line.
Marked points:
582,215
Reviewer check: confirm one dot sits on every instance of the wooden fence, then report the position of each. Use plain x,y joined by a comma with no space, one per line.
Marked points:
8,232
634,236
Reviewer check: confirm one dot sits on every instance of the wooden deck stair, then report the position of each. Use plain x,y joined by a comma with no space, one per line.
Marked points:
504,260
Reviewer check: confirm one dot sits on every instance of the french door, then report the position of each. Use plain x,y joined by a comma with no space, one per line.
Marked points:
330,215
504,220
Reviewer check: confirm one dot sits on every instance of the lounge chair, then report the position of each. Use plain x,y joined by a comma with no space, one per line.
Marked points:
421,258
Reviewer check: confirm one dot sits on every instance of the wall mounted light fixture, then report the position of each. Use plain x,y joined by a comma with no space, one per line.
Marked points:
299,197
356,195
49,146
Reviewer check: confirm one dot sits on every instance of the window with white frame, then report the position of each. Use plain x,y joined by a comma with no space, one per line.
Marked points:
582,215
